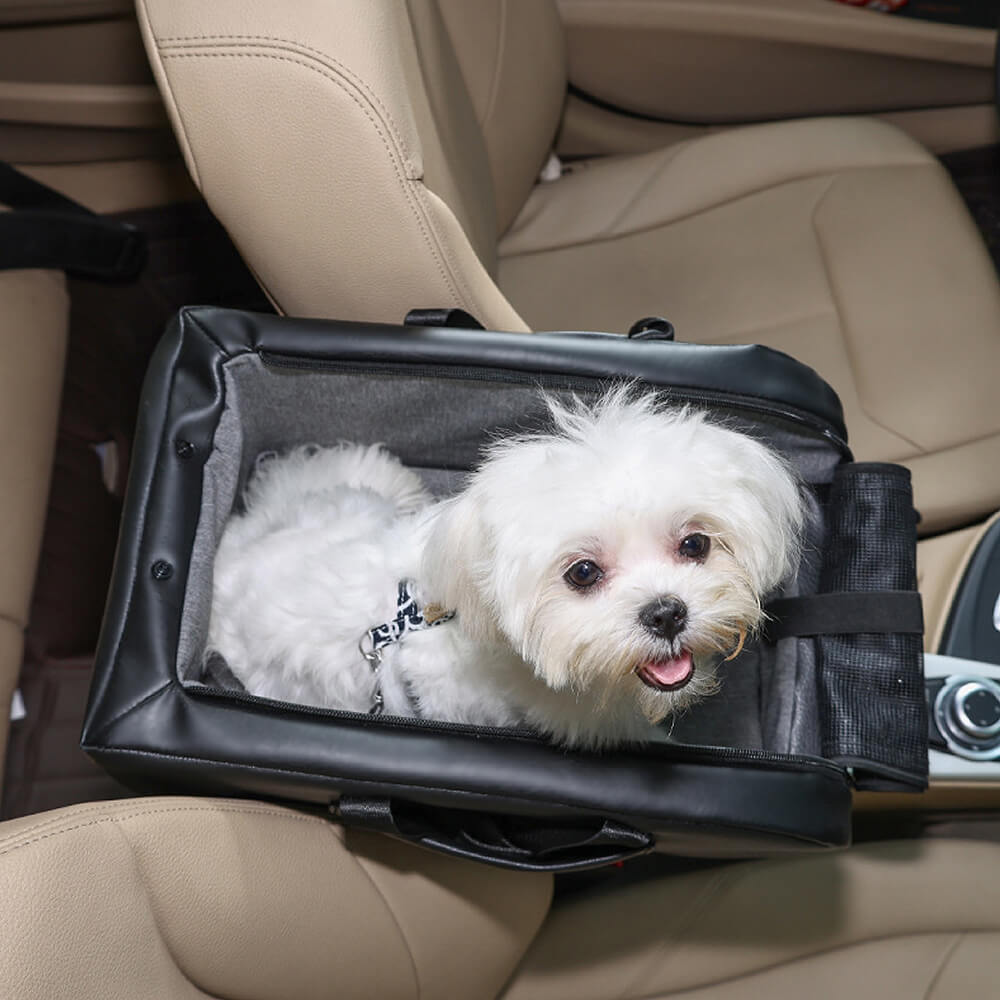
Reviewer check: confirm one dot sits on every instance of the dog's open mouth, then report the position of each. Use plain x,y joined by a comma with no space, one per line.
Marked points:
667,675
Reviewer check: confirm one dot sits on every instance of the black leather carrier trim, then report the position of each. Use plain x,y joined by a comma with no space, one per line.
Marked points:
749,370
152,731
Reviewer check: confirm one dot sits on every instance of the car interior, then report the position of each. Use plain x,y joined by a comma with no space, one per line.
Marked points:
818,176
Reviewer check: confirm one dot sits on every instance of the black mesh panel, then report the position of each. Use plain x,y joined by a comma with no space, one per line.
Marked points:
873,713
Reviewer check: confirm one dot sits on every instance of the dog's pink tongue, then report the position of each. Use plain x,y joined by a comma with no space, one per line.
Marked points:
667,675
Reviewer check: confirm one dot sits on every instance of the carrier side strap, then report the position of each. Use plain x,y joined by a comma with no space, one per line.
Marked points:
457,318
878,611
48,230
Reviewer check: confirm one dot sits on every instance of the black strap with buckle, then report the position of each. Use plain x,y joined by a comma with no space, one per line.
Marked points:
45,229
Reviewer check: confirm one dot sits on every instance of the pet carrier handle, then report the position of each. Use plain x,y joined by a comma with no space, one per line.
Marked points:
456,318
540,844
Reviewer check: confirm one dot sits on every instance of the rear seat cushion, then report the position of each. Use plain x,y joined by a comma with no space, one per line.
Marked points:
894,920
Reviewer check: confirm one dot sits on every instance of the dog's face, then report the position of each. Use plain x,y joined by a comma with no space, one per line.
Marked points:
623,555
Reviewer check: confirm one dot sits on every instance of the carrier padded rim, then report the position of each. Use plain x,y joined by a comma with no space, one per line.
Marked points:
749,370
147,728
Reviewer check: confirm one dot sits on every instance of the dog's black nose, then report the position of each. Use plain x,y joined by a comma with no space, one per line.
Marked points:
664,617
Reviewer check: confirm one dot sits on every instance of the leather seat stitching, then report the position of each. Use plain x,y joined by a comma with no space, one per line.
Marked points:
78,811
299,48
470,300
325,59
393,155
169,100
115,818
113,808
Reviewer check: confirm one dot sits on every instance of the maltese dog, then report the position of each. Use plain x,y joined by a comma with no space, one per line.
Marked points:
585,584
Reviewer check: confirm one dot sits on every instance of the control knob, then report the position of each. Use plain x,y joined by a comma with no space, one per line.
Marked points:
967,713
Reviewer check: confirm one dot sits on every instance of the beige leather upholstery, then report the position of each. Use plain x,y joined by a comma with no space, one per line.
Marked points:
34,315
75,86
941,564
366,155
758,60
315,138
183,898
119,185
894,921
589,129
805,236
179,898
517,111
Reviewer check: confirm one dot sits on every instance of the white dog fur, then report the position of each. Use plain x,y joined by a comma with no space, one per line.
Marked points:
617,491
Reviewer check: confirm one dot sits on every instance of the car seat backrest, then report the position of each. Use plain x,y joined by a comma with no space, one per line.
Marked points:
512,55
34,316
341,148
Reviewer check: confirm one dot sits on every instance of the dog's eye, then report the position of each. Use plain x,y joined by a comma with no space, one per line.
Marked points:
583,574
695,546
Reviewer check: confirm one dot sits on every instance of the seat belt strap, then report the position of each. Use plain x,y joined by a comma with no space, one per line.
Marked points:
45,229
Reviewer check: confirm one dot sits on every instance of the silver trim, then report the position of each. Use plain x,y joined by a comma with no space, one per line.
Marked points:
946,725
962,695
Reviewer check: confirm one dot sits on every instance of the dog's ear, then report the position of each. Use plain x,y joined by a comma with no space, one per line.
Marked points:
456,565
769,515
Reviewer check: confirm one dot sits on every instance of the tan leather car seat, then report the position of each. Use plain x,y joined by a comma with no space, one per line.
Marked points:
34,319
370,156
170,899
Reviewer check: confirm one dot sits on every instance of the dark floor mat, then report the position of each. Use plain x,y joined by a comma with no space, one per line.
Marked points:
113,330
976,174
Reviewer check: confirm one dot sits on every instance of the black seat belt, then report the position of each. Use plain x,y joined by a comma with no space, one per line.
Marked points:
45,229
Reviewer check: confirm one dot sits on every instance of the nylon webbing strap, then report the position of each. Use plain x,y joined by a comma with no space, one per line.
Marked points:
457,318
880,611
45,229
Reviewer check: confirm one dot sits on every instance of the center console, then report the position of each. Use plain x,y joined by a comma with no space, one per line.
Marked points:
963,702
963,678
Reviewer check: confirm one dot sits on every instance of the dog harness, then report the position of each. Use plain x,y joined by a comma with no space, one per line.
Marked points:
409,618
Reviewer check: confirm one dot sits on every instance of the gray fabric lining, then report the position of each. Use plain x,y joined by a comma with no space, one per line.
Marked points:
438,426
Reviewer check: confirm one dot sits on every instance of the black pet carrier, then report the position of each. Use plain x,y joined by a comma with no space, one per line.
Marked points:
829,699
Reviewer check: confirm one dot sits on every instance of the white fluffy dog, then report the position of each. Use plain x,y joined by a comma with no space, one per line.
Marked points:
585,583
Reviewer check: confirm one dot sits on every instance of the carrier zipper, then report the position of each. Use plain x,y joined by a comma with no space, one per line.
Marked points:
392,721
681,752
511,376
